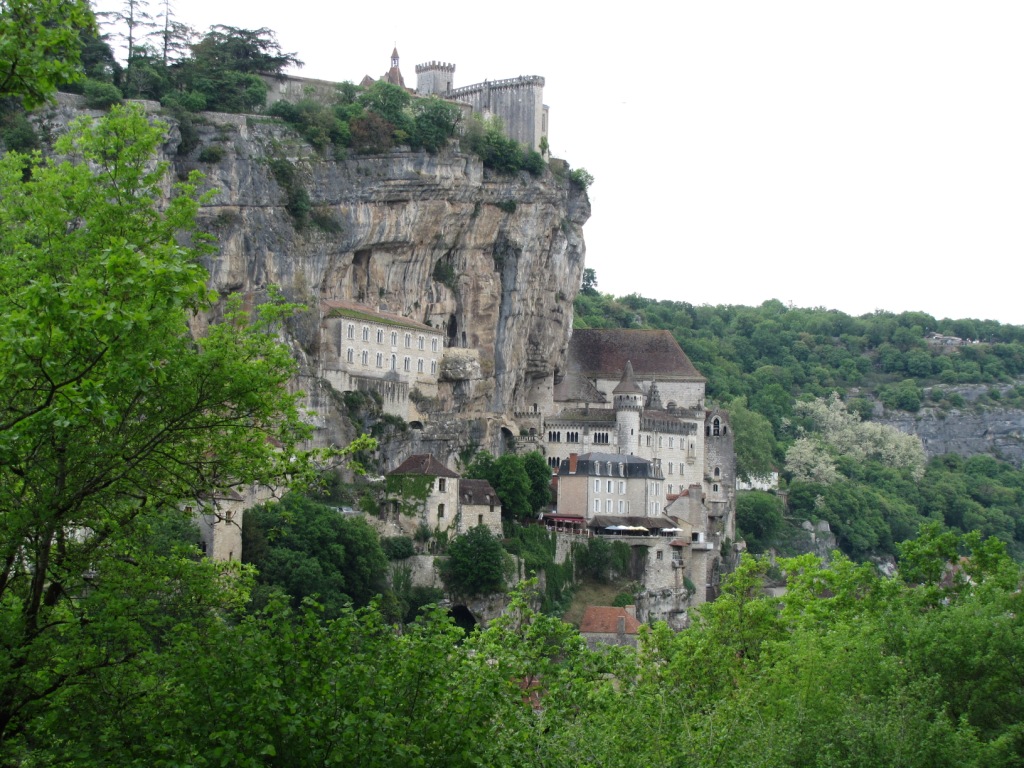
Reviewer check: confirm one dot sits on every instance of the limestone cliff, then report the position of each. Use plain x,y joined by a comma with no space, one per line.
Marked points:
510,250
994,430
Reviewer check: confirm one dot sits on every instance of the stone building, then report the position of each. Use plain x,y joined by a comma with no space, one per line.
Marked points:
375,351
641,459
602,484
425,492
518,101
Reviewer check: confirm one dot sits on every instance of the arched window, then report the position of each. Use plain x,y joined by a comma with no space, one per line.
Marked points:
380,335
366,357
394,362
433,366
717,472
366,333
419,341
433,345
715,427
408,340
419,365
351,331
406,364
350,355
394,338
715,487
380,360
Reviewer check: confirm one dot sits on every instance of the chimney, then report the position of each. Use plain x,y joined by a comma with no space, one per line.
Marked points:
572,463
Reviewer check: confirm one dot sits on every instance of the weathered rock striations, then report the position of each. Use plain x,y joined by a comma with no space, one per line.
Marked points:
511,251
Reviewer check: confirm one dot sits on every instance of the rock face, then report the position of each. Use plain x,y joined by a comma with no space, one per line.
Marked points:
494,260
996,431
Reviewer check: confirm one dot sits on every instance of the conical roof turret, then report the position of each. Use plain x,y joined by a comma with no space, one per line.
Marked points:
627,386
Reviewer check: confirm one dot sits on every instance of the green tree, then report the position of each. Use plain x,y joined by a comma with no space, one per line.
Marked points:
754,440
759,516
539,474
434,123
113,413
40,45
589,287
225,65
311,550
475,564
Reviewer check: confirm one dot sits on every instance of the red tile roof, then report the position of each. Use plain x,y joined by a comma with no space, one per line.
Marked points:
605,619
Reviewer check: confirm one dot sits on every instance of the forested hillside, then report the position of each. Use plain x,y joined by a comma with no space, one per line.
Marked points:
776,368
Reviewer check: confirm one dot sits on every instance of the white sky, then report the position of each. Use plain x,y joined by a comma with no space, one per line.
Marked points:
856,155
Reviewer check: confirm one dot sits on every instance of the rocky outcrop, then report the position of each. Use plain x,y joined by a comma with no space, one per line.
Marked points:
493,260
995,431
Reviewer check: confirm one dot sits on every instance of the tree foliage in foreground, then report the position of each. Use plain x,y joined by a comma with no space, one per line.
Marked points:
113,415
847,669
40,46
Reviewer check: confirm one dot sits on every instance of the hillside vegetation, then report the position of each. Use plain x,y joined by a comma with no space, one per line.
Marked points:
798,384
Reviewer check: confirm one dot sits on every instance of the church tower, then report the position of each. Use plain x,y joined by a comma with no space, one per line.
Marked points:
629,401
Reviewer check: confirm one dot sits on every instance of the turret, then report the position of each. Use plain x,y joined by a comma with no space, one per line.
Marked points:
435,78
629,402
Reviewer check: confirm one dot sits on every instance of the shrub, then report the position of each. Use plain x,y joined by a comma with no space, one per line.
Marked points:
581,178
211,154
100,95
397,547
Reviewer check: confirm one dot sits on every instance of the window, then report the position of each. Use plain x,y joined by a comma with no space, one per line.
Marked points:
440,511
366,357
671,440
394,338
380,360
350,355
658,555
610,487
597,485
419,341
622,486
408,340
622,507
441,484
717,472
433,345
597,468
715,427
670,467
479,519
351,331
394,362
380,336
419,365
670,488
715,487
597,506
433,366
622,469
608,506
407,364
